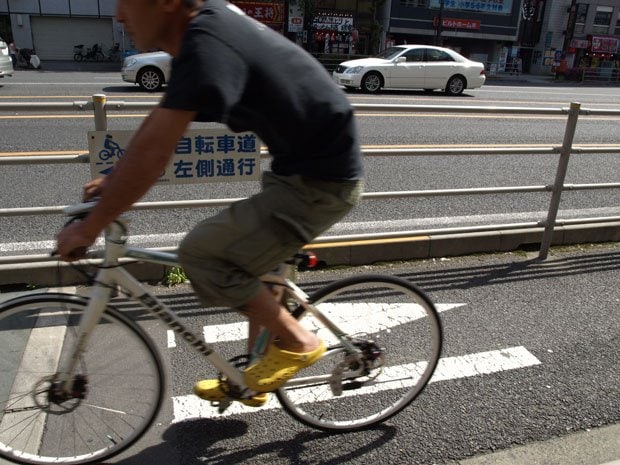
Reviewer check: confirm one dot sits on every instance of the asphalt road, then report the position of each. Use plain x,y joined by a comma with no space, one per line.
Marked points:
562,312
52,132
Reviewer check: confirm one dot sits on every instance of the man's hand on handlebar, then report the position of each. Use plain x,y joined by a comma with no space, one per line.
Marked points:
76,237
74,240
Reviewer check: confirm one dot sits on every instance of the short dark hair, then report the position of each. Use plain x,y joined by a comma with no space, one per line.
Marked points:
191,3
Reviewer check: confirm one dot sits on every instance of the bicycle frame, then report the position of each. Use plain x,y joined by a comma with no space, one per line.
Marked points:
111,274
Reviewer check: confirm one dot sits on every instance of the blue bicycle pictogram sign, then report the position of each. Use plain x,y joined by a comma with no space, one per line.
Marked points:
111,149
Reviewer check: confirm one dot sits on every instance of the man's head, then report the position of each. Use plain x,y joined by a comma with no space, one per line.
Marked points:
155,24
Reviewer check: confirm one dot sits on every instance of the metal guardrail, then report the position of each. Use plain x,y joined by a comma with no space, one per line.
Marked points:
100,106
600,74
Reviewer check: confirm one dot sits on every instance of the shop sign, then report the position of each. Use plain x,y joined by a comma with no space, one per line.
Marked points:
265,12
579,43
456,23
295,23
485,6
604,44
295,18
333,22
201,155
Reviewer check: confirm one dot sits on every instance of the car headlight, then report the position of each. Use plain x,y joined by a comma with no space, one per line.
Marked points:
354,70
130,62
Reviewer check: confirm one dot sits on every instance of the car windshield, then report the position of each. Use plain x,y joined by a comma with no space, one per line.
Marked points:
390,53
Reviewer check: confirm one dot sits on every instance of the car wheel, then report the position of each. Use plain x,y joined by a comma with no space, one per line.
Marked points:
456,85
150,79
372,82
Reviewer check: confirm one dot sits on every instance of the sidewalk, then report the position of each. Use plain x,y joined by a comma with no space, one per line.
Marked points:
600,446
111,66
72,66
523,78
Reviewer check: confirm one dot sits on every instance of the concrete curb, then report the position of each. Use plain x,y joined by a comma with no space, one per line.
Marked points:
353,253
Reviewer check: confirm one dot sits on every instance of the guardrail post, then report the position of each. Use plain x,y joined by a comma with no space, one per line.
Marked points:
101,117
558,186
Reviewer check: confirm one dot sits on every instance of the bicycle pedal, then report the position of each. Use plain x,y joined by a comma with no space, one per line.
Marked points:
221,405
336,386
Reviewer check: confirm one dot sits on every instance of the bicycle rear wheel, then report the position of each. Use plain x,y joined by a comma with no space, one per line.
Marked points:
397,328
118,385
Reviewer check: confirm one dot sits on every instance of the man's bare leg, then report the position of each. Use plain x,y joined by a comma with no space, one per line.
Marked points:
264,310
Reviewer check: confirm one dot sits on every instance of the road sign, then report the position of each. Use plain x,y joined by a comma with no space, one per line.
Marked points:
201,155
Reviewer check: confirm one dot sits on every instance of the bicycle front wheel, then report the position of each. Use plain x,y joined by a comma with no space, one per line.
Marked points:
117,385
397,330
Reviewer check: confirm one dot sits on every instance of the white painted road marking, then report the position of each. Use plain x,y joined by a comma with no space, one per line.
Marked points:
448,368
173,239
369,318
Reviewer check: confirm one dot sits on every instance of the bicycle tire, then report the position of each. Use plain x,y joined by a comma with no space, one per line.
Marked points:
118,391
404,325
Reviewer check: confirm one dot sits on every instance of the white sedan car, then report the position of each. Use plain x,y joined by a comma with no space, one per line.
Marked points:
412,67
149,70
6,63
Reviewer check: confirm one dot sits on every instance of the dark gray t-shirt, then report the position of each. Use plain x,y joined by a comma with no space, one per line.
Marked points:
235,70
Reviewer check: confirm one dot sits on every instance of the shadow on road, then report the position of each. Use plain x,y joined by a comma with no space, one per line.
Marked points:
129,89
203,441
449,277
411,93
442,276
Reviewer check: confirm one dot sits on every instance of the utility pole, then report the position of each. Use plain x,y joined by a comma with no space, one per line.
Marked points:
439,24
570,26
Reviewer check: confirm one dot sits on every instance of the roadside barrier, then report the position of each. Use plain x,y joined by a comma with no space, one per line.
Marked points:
544,229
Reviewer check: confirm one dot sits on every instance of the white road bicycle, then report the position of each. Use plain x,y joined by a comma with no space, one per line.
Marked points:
81,381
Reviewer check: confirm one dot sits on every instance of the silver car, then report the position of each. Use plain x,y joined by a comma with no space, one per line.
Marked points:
6,63
149,70
412,67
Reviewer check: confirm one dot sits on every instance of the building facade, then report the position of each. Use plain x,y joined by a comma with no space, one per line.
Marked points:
53,27
484,30
541,35
578,34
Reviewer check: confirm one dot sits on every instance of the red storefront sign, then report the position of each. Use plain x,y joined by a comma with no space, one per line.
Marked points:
579,43
265,12
456,23
604,44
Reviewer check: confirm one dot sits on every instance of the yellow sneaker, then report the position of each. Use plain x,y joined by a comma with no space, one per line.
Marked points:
210,389
278,366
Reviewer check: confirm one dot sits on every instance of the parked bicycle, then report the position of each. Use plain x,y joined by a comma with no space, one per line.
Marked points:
81,381
94,53
114,53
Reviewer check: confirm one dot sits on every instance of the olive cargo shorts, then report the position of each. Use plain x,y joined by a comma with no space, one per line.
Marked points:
224,255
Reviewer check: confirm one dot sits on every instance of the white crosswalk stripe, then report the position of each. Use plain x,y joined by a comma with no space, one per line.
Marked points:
448,368
369,318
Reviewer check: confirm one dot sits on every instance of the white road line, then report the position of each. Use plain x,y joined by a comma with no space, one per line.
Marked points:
41,353
368,318
364,313
449,368
171,340
146,240
10,295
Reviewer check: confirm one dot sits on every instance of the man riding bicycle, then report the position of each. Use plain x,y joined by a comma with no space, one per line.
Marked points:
231,69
